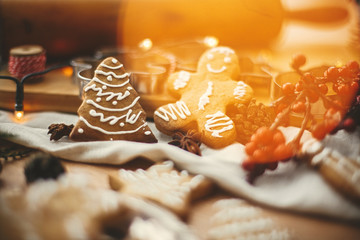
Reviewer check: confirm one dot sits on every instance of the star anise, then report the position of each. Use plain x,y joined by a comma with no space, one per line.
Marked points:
189,141
59,130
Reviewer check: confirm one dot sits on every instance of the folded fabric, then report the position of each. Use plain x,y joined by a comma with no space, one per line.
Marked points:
291,186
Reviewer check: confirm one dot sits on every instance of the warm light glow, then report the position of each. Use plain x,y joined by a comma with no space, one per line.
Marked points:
211,41
339,64
19,114
67,71
146,44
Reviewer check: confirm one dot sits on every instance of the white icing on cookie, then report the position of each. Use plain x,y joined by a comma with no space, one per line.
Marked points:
112,74
109,78
227,59
210,69
178,109
182,80
217,120
204,99
129,117
240,90
234,218
91,102
80,130
161,183
110,85
147,133
114,103
114,60
119,96
108,132
98,99
110,67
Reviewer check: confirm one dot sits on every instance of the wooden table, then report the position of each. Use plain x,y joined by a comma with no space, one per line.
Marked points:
300,226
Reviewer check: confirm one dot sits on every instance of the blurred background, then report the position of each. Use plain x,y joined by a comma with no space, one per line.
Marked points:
70,28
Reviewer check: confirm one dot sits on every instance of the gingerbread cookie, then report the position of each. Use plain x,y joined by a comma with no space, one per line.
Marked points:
205,98
110,110
336,158
163,184
234,217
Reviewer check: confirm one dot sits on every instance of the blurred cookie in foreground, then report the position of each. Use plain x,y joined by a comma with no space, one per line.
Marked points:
337,157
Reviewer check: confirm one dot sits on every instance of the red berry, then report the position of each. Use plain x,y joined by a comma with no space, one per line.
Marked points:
248,164
272,166
343,89
345,72
323,88
353,66
349,125
332,73
288,88
354,87
298,61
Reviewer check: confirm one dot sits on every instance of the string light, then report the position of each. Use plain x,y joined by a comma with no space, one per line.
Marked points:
19,95
211,41
146,44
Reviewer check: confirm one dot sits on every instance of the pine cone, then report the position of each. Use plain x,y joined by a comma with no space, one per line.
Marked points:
248,118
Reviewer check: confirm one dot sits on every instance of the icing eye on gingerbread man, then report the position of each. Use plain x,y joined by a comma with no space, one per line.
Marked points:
219,60
204,99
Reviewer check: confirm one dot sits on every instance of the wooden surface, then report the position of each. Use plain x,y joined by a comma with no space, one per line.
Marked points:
57,92
299,226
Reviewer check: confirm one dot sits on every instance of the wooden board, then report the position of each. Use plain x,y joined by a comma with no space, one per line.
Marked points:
57,92
53,92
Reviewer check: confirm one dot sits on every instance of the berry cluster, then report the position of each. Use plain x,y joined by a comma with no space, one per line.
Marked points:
265,148
267,145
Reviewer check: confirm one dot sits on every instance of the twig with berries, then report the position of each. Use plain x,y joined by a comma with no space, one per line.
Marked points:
267,147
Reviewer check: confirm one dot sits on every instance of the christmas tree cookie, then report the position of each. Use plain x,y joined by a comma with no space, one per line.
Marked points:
111,108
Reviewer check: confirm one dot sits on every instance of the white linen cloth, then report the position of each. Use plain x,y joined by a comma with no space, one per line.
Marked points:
292,187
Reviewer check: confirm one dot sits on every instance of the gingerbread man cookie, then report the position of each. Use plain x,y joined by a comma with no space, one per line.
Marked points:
205,97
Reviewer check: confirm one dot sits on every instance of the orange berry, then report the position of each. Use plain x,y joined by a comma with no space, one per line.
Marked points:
278,138
354,87
332,73
312,95
353,66
319,132
323,88
308,77
298,60
298,107
260,156
264,134
250,147
299,86
288,88
344,89
282,152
